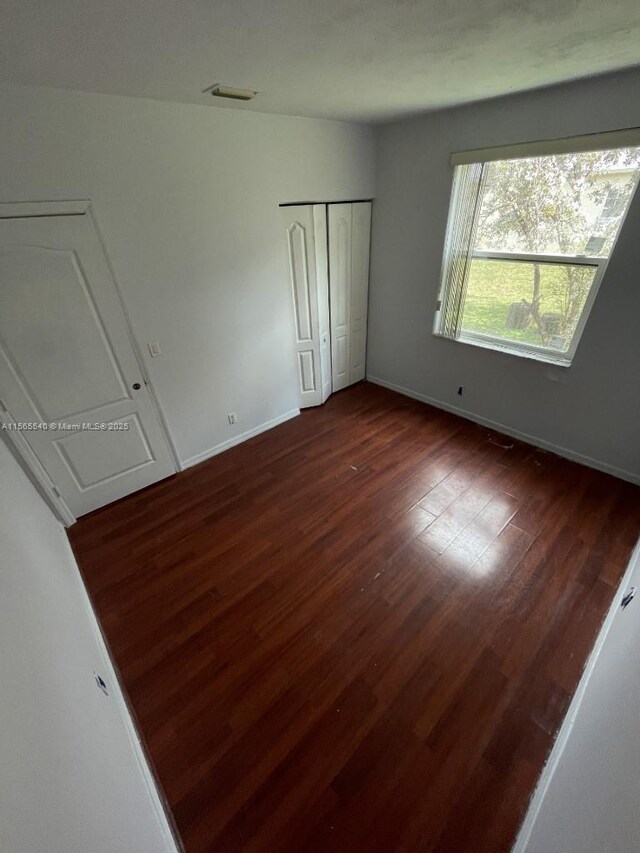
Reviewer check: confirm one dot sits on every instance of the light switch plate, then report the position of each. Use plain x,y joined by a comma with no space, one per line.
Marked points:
154,349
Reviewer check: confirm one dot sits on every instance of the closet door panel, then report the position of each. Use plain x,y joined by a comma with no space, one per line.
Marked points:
360,242
322,282
340,293
299,223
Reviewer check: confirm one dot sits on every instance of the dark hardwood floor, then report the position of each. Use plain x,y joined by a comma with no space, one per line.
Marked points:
359,631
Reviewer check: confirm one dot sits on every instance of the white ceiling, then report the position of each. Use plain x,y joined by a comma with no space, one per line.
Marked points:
368,60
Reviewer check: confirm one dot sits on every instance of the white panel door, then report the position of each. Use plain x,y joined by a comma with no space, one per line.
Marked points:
305,231
67,361
360,241
340,293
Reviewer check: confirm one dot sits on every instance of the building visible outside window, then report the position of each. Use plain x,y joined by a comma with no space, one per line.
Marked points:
528,240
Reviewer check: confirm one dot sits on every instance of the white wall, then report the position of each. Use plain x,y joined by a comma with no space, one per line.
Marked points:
589,793
72,779
591,409
186,199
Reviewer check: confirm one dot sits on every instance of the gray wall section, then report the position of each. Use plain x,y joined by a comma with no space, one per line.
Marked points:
591,409
72,776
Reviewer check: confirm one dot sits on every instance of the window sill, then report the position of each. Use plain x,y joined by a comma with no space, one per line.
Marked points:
509,348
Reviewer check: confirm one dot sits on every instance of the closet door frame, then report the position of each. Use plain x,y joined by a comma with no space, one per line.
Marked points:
328,248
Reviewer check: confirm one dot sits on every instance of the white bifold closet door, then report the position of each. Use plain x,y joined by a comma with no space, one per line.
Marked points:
306,233
349,238
328,260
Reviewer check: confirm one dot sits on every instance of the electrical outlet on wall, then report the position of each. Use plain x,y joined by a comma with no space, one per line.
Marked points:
233,418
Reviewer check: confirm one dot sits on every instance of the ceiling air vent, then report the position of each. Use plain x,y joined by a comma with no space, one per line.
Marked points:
220,91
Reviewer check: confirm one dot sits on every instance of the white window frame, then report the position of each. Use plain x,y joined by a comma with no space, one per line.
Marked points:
540,353
623,138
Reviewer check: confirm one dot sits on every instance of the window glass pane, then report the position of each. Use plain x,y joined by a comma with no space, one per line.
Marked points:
533,303
569,204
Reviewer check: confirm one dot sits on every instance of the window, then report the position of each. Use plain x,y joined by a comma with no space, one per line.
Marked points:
528,239
615,202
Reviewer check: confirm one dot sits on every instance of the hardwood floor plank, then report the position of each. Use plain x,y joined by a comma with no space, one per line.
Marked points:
359,631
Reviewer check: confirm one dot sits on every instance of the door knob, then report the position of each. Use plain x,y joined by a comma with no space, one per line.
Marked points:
136,386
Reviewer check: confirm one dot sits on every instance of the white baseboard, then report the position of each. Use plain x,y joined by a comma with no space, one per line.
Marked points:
238,439
570,717
514,433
